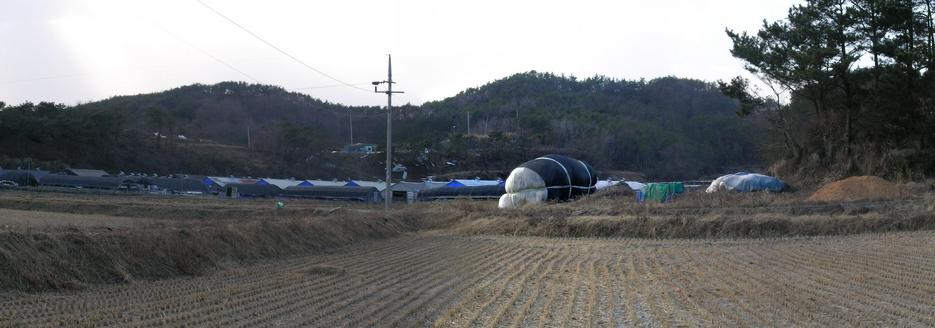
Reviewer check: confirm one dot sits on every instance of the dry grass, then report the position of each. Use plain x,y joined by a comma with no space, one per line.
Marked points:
457,281
64,241
695,215
153,238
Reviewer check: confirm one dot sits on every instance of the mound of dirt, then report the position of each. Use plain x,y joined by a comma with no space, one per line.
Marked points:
857,189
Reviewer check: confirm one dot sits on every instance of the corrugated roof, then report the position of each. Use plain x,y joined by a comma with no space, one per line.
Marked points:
360,183
71,181
326,183
86,172
473,183
255,190
281,183
475,192
334,193
179,185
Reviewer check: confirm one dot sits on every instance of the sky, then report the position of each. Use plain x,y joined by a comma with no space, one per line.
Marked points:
75,51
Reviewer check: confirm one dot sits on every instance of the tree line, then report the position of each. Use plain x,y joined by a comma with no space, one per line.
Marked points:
667,128
847,85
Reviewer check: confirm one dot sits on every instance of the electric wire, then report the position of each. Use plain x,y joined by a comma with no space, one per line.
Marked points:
271,45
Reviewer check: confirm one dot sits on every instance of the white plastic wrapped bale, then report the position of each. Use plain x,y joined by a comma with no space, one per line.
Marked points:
746,182
523,186
547,177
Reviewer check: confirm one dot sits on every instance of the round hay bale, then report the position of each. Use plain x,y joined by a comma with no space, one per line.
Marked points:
861,188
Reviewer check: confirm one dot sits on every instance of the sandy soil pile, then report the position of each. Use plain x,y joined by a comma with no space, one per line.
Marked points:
857,189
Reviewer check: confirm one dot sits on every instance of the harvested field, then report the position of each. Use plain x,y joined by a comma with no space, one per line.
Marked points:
705,260
445,280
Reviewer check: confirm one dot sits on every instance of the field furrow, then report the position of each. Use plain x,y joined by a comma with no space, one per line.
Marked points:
463,281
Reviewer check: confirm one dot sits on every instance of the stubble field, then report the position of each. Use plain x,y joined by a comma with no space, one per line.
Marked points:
443,280
441,276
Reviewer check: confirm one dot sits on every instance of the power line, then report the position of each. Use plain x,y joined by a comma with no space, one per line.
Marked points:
204,52
280,50
326,86
54,77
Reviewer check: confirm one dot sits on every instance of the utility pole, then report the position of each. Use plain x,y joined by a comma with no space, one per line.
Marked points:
389,128
350,118
469,123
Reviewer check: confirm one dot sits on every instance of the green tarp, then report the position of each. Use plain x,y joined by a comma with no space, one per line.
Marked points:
661,191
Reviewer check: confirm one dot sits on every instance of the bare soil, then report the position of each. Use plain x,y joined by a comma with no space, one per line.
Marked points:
860,188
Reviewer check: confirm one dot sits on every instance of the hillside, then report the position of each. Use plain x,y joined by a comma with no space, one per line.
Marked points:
666,128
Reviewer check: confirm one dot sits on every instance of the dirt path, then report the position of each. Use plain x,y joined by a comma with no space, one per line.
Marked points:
441,280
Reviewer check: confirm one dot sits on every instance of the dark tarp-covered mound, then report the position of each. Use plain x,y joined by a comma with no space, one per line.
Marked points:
548,177
475,192
363,194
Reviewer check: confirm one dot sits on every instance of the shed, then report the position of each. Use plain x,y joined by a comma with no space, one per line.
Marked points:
24,177
179,185
84,182
323,183
281,183
409,190
86,173
473,183
363,194
250,190
476,192
380,185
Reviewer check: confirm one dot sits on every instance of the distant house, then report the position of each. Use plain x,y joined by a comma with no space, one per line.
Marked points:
86,173
362,148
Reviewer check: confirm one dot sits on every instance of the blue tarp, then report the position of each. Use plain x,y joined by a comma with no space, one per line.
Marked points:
746,182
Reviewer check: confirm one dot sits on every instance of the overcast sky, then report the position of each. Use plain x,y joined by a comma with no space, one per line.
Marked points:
84,50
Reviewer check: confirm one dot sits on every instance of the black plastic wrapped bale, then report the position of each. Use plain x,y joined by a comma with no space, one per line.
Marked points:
550,177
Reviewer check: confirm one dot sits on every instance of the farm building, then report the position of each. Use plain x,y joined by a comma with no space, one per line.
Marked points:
219,183
380,185
323,183
249,190
83,182
23,177
281,183
179,185
363,194
473,192
457,183
86,173
408,190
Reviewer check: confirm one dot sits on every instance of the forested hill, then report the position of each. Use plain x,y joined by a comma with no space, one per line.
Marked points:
666,128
